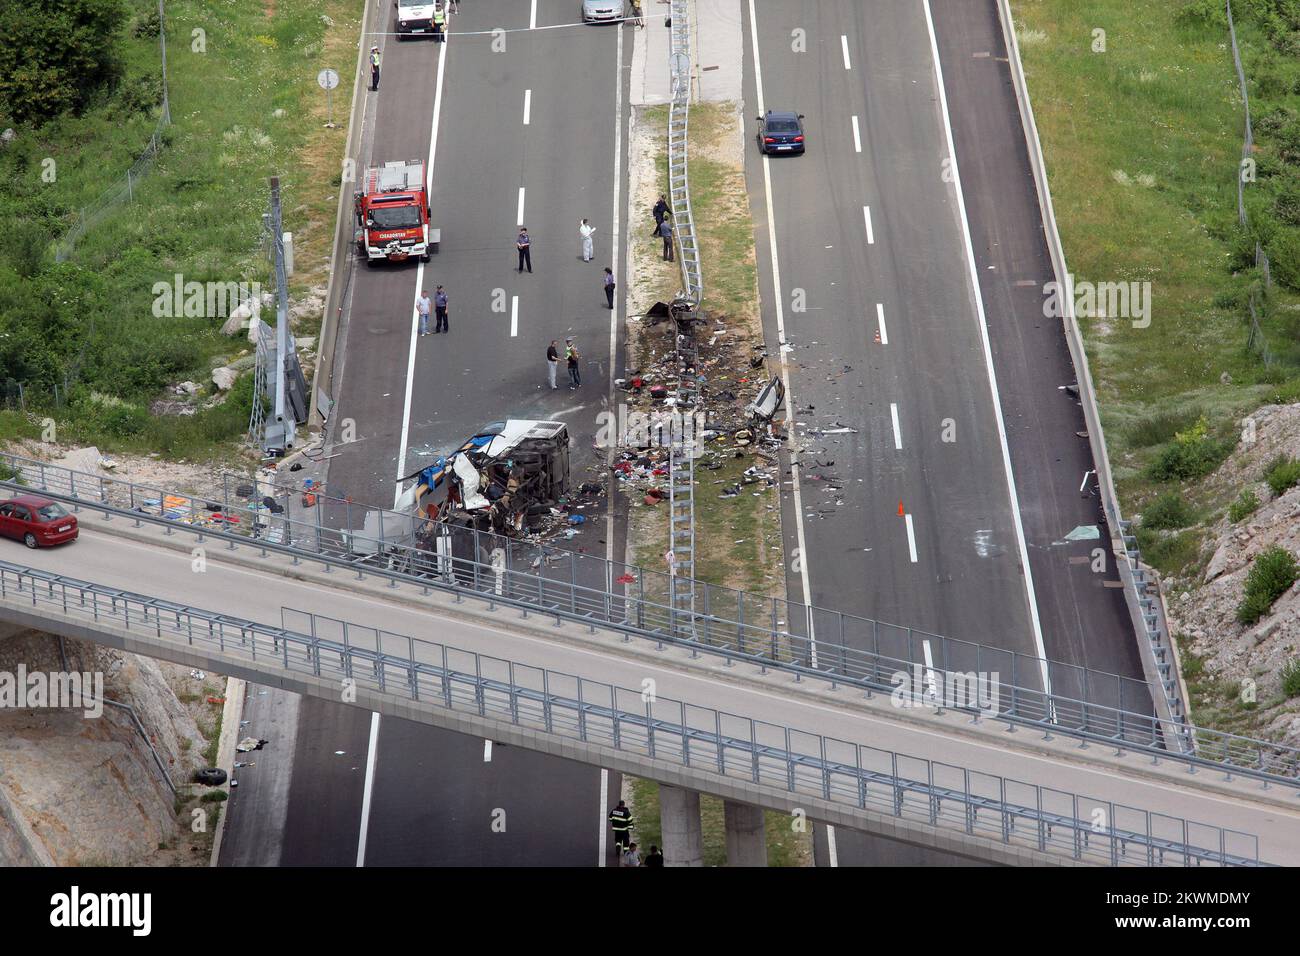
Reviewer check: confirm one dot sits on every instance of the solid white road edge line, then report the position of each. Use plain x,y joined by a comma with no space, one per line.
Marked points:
780,329
372,751
988,360
419,282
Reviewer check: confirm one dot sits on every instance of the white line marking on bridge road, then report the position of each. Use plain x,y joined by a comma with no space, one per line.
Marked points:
898,435
528,106
514,316
911,538
487,751
519,213
880,321
532,16
857,136
866,215
831,849
844,48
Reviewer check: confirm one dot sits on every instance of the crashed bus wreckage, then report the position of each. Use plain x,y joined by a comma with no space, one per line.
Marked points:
509,479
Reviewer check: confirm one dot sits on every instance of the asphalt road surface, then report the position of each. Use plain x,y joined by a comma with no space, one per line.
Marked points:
870,233
540,116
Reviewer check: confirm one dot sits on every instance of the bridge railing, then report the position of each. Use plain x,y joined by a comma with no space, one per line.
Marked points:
870,655
730,746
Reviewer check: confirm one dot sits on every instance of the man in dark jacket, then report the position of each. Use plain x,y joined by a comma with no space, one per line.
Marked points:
660,210
654,857
620,818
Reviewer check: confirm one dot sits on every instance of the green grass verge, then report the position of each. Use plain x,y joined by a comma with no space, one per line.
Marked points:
1142,144
244,106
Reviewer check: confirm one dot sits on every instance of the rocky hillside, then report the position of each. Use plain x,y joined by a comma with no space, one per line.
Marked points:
79,791
1220,655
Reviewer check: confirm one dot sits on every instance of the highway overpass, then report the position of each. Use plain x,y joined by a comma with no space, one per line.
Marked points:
783,745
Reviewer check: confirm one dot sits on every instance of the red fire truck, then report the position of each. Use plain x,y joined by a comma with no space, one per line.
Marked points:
392,210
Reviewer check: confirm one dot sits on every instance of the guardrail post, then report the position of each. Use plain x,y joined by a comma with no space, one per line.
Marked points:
613,716
446,682
478,684
753,749
898,790
826,769
650,728
415,680
1043,829
582,714
717,737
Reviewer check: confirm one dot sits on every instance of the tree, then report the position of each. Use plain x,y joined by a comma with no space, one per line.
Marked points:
56,55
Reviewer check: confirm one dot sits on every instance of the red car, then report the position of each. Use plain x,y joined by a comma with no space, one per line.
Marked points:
37,521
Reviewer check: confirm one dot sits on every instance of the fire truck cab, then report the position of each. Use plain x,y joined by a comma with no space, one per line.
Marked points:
392,213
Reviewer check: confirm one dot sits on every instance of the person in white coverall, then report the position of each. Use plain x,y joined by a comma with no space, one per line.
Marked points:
585,229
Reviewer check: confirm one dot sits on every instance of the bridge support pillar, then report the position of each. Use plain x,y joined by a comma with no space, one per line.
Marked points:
679,819
746,834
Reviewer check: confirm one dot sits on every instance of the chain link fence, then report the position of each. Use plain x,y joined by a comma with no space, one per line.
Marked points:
1256,304
122,191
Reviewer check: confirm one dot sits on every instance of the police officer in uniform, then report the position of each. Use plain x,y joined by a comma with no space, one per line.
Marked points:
374,68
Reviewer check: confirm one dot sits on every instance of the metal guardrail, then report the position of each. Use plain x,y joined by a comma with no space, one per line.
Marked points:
679,191
675,732
727,623
1141,583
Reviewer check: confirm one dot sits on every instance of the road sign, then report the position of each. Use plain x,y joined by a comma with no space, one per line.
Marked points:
327,79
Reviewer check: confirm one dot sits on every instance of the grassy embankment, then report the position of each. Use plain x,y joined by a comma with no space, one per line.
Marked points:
1143,143
244,106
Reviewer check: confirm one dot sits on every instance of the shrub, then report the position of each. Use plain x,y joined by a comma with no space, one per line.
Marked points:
1247,504
1284,255
1273,571
1192,454
1158,428
1167,512
1283,473
1291,677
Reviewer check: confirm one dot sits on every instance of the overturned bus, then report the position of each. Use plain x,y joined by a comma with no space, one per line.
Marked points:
504,479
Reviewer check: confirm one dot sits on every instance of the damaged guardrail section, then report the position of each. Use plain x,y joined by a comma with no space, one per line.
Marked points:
1141,583
769,759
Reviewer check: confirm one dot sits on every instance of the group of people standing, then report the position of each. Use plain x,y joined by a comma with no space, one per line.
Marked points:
571,359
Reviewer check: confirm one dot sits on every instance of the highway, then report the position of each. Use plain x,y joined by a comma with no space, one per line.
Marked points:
535,127
923,332
1096,774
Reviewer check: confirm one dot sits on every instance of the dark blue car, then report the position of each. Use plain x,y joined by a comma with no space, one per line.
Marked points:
781,132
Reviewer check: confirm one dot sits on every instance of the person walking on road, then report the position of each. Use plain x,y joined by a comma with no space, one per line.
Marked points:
439,23
654,857
661,210
666,232
374,69
631,857
585,229
572,358
524,245
620,818
422,306
440,310
552,362
609,286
